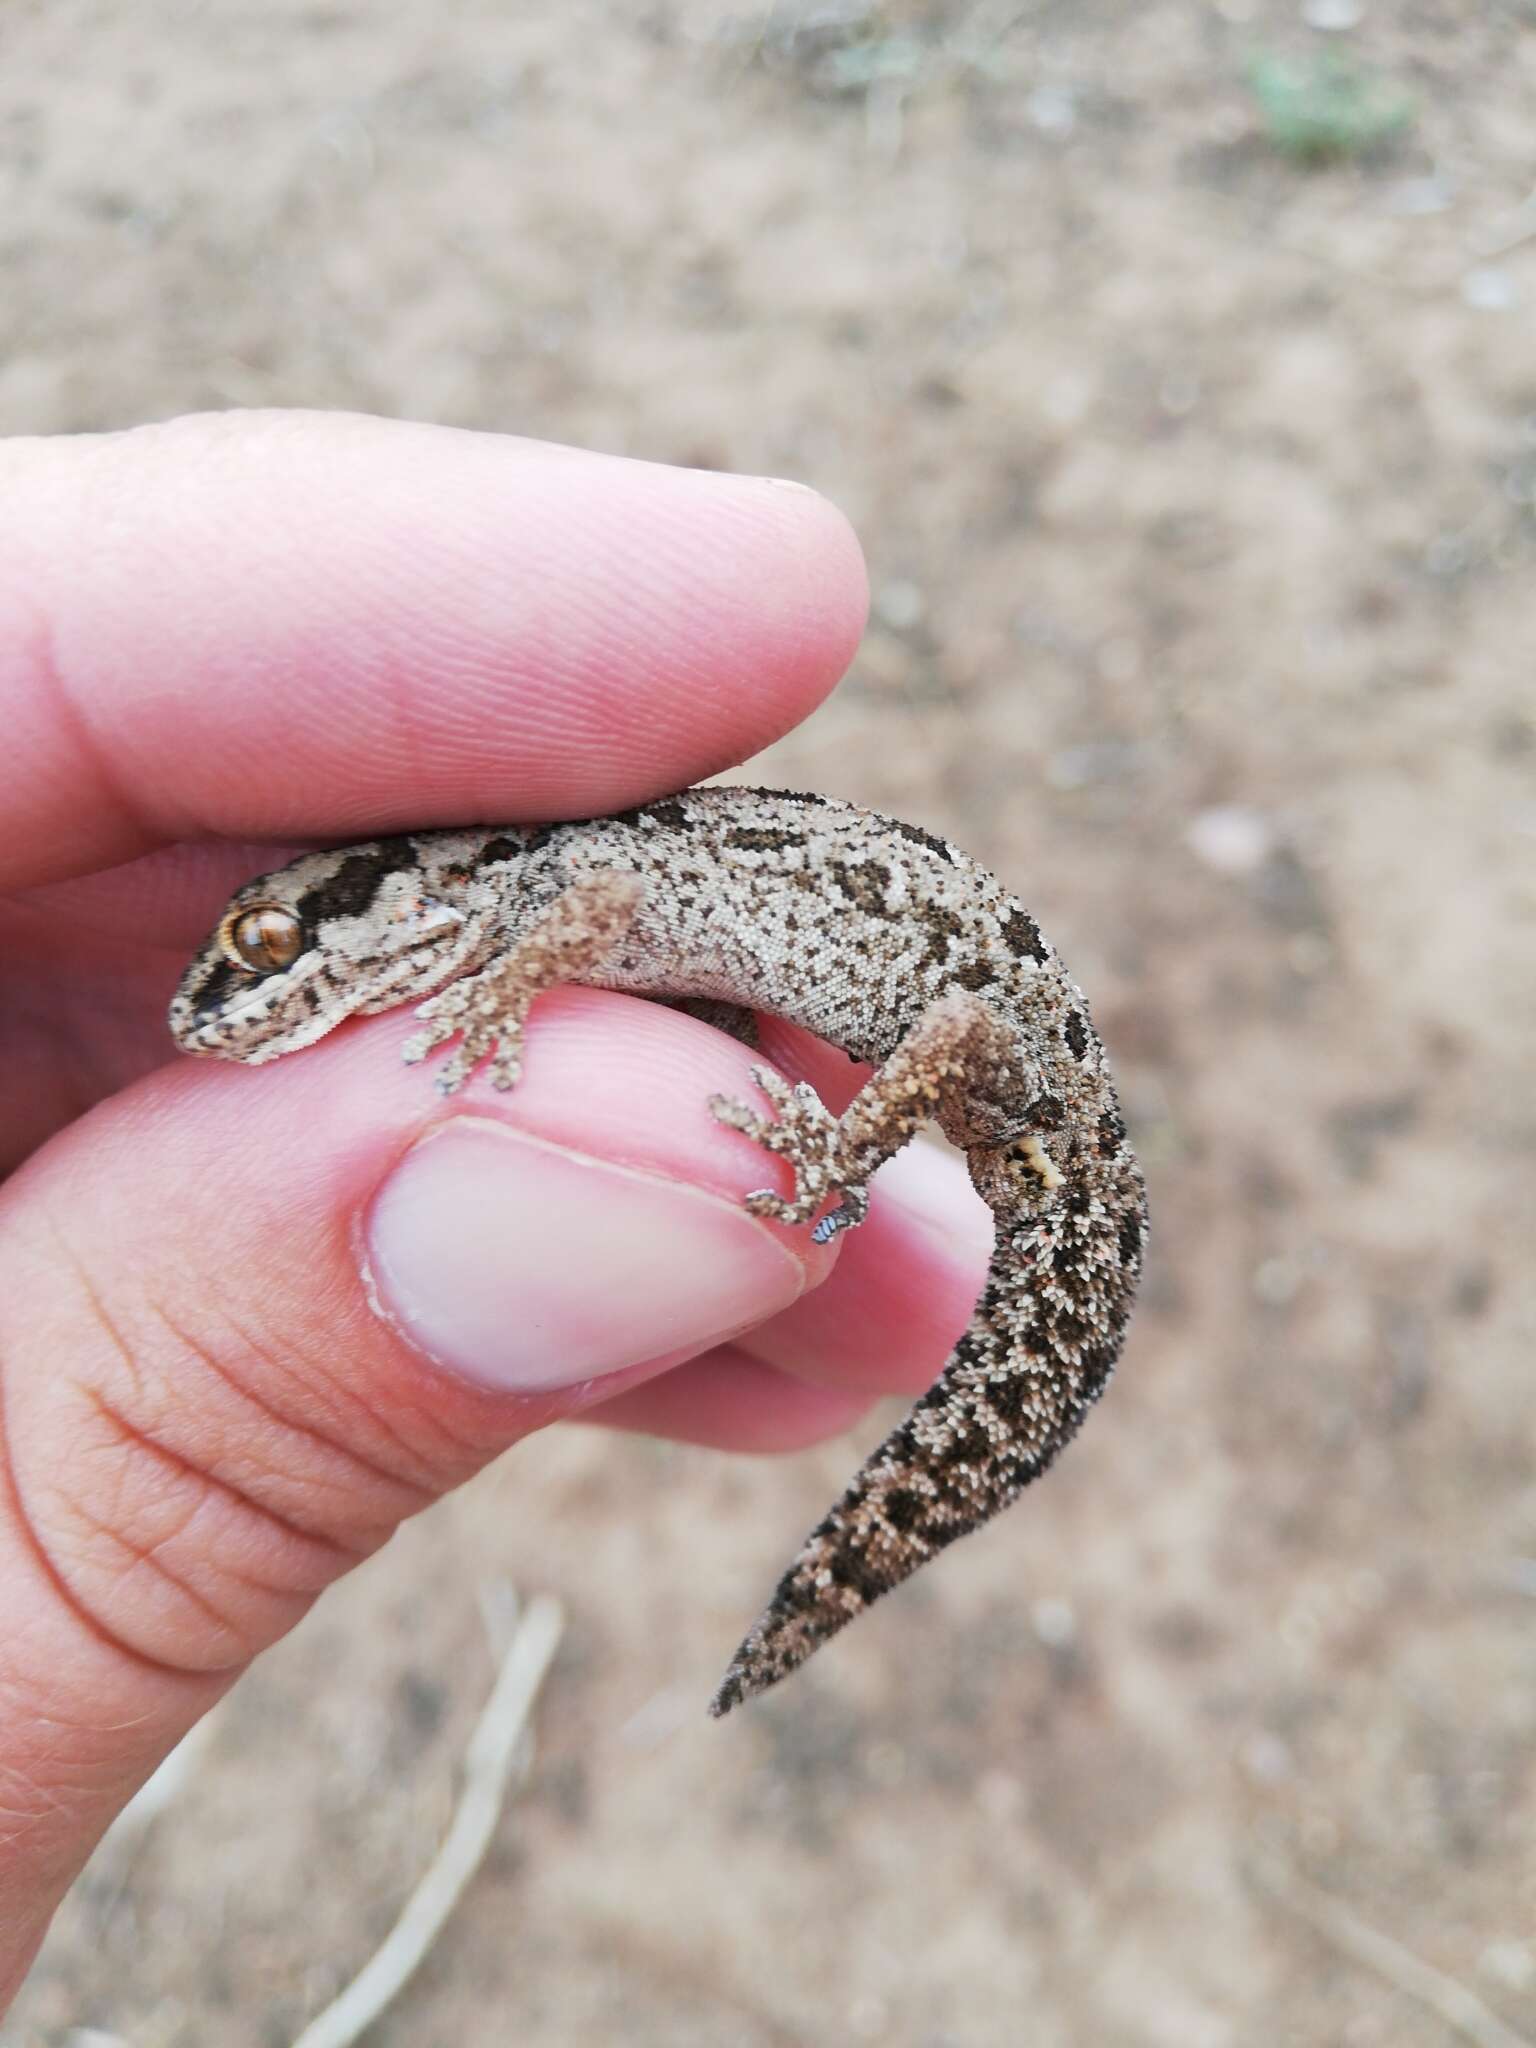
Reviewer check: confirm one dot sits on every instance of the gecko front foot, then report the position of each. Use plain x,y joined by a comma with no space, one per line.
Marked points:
803,1131
584,925
478,1012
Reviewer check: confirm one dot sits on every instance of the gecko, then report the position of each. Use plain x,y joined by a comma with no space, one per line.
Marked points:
877,936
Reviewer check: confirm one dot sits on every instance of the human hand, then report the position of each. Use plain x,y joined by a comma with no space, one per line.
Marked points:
231,1360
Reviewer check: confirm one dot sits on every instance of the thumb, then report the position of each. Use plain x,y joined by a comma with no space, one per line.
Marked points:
251,1319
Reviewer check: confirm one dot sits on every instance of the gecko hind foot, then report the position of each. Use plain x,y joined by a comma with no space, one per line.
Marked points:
805,1133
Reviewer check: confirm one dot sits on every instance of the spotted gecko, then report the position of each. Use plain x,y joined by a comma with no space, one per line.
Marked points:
877,936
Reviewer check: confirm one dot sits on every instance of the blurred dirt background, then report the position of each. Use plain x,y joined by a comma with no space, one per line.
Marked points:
1198,481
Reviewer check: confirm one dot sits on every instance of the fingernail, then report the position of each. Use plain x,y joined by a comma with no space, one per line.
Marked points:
525,1266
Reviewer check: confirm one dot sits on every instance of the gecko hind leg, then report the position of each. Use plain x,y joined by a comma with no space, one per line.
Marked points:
486,1011
935,1066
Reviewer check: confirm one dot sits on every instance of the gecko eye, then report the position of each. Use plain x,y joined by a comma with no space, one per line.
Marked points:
266,939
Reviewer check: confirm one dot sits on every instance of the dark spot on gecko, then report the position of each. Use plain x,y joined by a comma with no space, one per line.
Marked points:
356,882
1111,1130
937,1396
863,882
941,924
852,1568
793,1596
976,974
1095,1366
1048,1112
956,1496
763,838
919,837
1068,1332
503,849
539,836
221,978
1008,1396
1075,1032
902,1508
668,811
1130,1239
970,1446
901,1444
1021,935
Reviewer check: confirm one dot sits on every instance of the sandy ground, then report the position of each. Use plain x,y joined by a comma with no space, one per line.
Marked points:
1198,488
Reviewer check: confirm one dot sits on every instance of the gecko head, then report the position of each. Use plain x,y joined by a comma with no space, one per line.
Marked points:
331,936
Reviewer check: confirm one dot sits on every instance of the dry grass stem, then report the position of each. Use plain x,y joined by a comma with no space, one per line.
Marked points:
490,1760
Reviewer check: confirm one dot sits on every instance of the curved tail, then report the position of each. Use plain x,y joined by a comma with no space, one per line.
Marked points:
1036,1356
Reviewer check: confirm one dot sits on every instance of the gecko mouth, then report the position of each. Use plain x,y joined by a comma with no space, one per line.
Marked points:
239,1029
220,1012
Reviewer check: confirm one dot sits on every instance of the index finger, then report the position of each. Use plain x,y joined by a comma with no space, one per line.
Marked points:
288,625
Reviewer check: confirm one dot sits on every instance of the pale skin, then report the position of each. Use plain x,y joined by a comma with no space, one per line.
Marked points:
234,635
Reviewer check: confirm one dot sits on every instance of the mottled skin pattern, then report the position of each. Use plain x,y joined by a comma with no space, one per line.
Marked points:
875,935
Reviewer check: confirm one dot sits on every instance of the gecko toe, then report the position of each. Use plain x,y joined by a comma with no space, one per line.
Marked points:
848,1215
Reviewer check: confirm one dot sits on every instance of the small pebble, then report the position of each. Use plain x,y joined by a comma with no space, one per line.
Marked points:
1054,1623
1266,1758
899,605
1000,1795
1052,110
1510,1963
1415,197
1179,393
1487,289
1276,1282
869,2018
1119,658
1336,16
1232,838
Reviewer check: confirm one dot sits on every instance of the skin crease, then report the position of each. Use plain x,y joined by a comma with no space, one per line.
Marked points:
222,639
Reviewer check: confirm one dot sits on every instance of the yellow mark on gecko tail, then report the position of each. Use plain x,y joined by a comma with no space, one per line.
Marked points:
1040,1163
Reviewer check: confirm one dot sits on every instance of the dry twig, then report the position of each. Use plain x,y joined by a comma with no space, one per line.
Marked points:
494,1749
1460,2008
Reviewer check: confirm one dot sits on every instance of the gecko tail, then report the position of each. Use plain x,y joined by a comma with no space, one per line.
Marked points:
818,1596
899,1511
1024,1374
951,1465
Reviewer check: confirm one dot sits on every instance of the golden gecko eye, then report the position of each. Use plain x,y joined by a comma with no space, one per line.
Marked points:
266,939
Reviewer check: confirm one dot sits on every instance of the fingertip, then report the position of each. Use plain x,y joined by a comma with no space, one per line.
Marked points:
332,624
826,564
